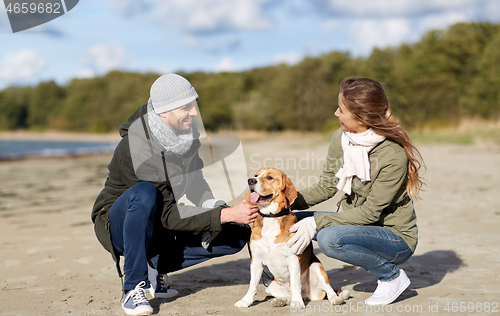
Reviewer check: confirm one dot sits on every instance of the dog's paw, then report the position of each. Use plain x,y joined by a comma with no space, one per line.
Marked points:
345,295
297,304
242,303
336,301
279,302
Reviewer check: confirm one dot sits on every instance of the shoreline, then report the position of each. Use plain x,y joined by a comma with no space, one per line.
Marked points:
60,136
37,158
249,135
21,145
247,138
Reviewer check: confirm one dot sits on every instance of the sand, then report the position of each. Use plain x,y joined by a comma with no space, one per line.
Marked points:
52,264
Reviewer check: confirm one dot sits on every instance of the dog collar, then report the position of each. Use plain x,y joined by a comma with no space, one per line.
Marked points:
283,212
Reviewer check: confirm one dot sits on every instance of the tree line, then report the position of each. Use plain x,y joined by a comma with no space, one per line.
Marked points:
446,76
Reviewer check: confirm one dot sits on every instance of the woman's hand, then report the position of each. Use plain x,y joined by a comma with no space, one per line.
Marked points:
304,232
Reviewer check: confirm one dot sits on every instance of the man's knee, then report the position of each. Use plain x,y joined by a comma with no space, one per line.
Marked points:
234,236
146,189
242,233
145,194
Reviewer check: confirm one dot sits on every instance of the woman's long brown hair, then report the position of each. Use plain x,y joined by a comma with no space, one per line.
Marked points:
367,100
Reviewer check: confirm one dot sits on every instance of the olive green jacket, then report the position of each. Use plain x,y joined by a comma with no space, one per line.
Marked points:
383,201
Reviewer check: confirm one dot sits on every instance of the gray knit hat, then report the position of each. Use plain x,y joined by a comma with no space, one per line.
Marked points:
170,92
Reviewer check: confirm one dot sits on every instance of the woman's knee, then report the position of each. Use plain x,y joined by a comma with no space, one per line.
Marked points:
402,256
329,240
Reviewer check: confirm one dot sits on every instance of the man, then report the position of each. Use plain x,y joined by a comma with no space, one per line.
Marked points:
138,214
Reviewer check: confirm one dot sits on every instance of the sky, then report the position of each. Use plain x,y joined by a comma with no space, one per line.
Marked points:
163,36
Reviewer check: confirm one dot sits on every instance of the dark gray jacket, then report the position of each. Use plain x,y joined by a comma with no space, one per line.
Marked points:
186,169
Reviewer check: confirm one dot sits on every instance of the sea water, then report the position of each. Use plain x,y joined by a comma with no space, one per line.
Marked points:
16,149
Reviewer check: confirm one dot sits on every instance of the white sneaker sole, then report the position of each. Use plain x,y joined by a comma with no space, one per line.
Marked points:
393,298
146,311
151,294
170,294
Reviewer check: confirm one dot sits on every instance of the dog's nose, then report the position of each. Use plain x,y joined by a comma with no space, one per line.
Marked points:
252,181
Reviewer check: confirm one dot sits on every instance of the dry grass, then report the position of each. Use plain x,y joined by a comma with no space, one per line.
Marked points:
250,136
468,131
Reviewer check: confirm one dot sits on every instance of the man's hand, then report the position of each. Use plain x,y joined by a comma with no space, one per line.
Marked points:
305,230
241,213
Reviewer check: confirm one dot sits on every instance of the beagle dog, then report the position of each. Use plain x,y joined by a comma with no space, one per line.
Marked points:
294,276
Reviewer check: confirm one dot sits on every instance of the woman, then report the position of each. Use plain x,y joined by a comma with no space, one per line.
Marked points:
373,161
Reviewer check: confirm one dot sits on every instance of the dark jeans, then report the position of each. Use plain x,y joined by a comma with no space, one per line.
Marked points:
138,235
377,249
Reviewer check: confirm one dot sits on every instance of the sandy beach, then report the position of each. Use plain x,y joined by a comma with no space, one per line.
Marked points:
52,264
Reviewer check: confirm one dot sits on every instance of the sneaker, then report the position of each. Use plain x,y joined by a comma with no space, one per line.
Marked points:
136,303
388,292
160,285
163,289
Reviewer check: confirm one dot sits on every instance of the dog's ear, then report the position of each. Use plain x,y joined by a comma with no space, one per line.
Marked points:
289,191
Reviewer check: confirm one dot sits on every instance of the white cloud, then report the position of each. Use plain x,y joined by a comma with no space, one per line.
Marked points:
383,23
21,66
194,16
226,64
193,42
290,58
85,73
391,8
491,11
439,21
130,8
331,25
216,44
105,57
370,33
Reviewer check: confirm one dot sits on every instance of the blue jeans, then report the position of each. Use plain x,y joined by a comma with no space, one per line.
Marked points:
138,235
374,248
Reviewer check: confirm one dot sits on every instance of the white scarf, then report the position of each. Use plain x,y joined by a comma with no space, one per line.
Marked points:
177,144
356,163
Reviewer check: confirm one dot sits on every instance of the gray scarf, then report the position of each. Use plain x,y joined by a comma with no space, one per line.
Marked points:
177,144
